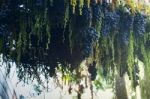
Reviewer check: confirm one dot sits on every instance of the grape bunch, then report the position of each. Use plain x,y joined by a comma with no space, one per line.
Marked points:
85,18
3,30
88,37
5,36
110,22
115,20
92,70
4,13
126,25
39,3
105,5
126,21
92,2
106,24
97,13
139,25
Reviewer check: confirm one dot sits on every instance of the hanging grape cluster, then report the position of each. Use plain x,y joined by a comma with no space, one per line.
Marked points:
88,38
4,13
97,13
110,22
85,18
126,25
3,30
139,25
92,70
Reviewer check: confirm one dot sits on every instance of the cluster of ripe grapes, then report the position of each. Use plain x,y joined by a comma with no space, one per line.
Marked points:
139,25
88,37
4,10
110,22
126,25
92,70
39,3
3,30
92,2
96,13
85,18
4,27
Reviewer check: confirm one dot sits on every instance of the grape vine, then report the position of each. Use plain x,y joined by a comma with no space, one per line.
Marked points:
40,35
